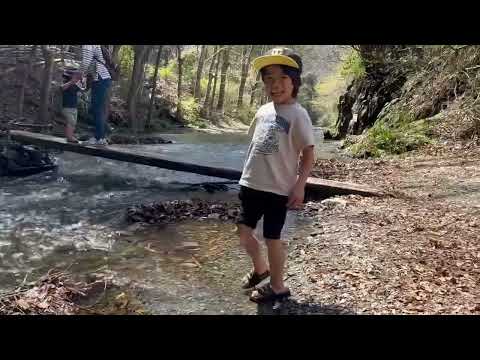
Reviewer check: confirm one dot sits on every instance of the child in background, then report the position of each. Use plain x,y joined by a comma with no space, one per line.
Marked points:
72,84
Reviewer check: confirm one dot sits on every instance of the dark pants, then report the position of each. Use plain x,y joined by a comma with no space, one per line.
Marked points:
99,96
256,203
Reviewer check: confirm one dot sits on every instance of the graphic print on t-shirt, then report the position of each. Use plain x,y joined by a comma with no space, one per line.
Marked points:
267,137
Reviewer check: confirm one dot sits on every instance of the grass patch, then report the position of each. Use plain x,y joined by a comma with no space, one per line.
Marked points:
396,137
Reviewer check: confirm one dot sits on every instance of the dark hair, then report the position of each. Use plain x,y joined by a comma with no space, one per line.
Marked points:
293,74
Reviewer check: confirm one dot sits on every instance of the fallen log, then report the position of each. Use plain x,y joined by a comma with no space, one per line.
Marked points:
317,185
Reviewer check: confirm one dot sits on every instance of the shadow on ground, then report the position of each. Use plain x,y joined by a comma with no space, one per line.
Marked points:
293,307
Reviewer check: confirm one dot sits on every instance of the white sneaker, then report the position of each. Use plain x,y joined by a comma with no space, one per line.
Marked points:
91,141
102,142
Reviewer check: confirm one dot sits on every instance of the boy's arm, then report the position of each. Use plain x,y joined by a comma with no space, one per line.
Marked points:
68,84
297,194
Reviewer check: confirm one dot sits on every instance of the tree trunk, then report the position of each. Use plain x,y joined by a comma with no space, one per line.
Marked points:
167,55
198,79
179,87
144,72
108,105
215,77
255,88
136,81
46,85
115,53
257,82
209,84
221,93
27,68
154,87
243,79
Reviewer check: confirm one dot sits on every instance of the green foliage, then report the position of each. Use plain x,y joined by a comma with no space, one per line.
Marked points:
400,136
150,70
126,56
191,111
353,66
203,85
189,68
168,72
325,101
246,114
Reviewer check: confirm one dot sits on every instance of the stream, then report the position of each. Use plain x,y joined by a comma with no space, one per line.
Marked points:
74,218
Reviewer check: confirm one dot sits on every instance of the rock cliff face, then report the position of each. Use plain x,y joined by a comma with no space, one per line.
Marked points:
365,98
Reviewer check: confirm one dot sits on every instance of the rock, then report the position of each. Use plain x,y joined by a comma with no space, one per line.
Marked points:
134,227
124,233
333,202
232,212
366,97
188,245
189,265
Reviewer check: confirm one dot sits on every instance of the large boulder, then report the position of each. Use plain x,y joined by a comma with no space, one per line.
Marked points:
365,98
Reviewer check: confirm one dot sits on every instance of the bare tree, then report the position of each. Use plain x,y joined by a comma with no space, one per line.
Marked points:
179,87
225,64
115,54
140,56
256,85
45,85
209,84
154,86
215,77
198,78
26,69
246,58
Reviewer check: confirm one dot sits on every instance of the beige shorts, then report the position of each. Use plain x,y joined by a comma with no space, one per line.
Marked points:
70,115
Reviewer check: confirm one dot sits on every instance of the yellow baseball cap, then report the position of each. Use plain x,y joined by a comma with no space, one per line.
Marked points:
278,56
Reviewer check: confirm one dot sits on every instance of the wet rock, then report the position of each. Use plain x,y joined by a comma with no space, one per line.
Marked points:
133,228
21,160
334,202
189,265
191,245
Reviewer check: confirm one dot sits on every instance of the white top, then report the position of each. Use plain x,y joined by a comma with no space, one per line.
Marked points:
280,133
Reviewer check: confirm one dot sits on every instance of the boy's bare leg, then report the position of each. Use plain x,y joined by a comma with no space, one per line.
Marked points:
277,256
251,245
69,130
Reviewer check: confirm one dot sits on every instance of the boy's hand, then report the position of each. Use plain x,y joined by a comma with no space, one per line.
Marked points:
77,76
295,199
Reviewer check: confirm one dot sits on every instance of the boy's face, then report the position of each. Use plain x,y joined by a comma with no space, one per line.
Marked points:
278,85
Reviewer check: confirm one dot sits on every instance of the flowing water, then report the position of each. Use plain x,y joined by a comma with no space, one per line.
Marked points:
75,218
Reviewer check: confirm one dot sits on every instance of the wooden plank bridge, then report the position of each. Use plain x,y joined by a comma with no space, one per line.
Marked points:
318,185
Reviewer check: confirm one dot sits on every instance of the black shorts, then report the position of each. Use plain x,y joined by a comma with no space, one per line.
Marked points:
255,204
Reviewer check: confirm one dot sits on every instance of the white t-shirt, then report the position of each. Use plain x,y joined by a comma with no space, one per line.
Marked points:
280,133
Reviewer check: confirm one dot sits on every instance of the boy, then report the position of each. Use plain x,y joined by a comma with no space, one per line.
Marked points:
272,179
70,88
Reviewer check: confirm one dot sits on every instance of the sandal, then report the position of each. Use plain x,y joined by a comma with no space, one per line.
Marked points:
252,279
265,294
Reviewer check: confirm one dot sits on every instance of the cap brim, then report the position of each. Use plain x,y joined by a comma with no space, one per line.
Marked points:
267,60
